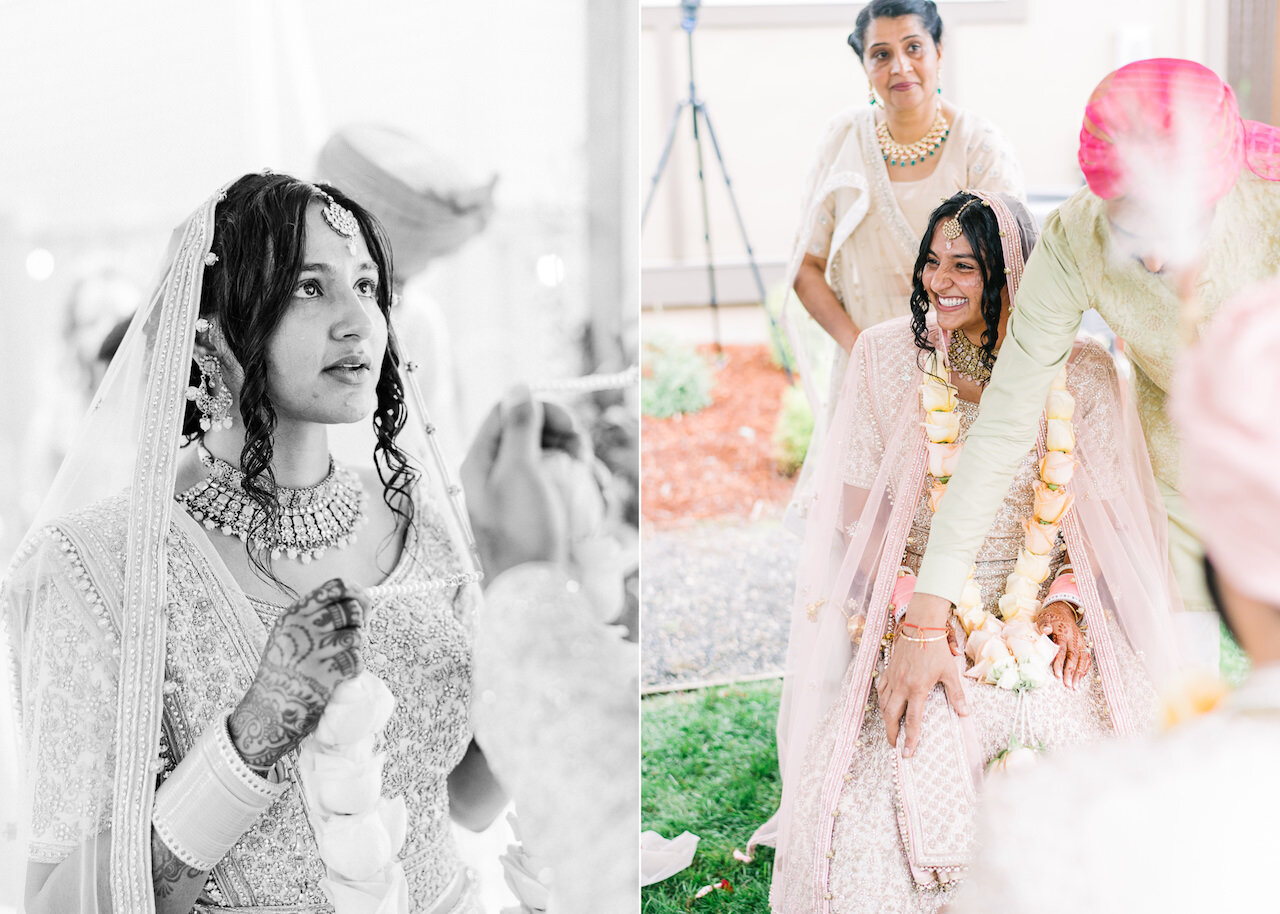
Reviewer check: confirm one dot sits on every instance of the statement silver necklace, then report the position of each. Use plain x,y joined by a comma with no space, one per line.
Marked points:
309,522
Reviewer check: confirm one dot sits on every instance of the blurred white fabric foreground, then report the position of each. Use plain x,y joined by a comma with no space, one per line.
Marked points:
661,858
557,713
1183,821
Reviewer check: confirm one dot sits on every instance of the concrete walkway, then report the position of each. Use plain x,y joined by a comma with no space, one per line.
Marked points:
715,598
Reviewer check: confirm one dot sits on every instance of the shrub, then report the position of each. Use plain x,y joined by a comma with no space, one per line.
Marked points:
793,430
817,344
675,379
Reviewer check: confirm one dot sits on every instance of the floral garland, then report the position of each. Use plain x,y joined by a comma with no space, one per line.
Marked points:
358,831
1007,652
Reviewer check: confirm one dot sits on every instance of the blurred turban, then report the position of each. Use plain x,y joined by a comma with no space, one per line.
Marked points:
1164,110
427,204
1221,400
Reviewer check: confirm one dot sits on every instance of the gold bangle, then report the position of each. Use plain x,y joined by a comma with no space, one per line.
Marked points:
941,637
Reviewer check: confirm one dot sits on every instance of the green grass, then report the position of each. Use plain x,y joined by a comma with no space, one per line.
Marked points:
1233,661
710,766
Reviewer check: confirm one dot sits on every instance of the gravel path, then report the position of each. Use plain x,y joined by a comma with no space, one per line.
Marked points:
715,598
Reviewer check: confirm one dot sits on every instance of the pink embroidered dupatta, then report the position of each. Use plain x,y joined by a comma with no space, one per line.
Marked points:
870,475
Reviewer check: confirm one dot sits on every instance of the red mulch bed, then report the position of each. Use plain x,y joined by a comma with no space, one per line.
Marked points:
719,461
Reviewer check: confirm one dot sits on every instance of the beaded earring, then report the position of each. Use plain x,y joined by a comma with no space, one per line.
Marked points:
212,397
871,97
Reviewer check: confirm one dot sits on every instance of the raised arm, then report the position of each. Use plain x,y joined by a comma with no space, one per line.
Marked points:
1042,327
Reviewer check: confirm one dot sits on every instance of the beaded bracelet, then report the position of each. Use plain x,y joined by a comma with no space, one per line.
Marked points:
210,799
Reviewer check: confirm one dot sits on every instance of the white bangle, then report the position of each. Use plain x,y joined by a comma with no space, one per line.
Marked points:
211,799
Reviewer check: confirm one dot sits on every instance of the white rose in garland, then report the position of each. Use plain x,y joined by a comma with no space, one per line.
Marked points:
358,831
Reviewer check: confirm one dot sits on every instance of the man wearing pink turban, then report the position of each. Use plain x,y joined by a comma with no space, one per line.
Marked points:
1184,821
1182,207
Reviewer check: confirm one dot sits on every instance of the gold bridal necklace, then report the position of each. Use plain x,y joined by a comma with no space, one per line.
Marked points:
968,359
896,153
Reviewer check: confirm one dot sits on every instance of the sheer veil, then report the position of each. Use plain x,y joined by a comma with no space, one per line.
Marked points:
61,598
870,474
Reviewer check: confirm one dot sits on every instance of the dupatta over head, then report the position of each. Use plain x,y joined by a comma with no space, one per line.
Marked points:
856,533
52,600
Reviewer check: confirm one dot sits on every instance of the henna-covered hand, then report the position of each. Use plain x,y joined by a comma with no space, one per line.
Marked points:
1074,658
314,646
177,884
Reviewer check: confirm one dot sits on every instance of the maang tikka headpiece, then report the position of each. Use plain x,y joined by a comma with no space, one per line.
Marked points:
340,219
951,229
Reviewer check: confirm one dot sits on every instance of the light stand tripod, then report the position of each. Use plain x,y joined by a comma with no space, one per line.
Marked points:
698,108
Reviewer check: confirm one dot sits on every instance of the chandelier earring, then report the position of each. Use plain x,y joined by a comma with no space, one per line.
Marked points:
212,397
871,96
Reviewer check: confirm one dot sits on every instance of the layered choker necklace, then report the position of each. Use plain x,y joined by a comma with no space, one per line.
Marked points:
968,359
896,153
309,522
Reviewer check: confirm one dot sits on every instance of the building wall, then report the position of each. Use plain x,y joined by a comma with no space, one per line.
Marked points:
773,75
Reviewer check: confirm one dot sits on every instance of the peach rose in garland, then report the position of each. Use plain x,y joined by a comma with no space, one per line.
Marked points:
936,491
1031,565
943,457
1051,504
942,426
1059,435
1040,538
1057,468
972,618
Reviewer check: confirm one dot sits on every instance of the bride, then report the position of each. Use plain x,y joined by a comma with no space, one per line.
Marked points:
208,587
1070,589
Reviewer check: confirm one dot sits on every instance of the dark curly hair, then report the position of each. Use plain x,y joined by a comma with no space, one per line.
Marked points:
925,10
259,238
983,232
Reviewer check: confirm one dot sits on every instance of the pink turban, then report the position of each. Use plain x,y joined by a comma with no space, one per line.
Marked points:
1222,400
1148,106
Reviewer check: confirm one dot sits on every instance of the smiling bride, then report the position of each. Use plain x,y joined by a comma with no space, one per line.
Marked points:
1042,650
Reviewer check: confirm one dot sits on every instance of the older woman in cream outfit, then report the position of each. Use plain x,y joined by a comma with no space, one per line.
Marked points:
879,172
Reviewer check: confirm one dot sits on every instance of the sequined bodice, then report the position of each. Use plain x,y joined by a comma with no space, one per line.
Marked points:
420,644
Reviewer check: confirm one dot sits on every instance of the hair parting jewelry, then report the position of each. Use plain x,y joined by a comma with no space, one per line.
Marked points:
952,229
340,219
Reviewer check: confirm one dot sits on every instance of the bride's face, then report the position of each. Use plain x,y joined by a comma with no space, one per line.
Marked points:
953,279
324,359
